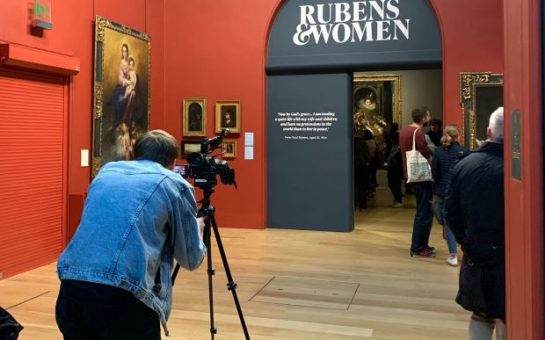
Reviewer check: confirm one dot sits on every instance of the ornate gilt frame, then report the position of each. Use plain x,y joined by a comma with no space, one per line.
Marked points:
102,26
219,105
186,132
360,80
469,82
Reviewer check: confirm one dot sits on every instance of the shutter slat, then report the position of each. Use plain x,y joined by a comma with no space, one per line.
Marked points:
31,170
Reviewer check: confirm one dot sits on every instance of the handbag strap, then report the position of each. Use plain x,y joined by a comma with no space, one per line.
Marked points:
414,139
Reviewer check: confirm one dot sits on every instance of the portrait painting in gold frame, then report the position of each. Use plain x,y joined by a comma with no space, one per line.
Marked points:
380,95
228,116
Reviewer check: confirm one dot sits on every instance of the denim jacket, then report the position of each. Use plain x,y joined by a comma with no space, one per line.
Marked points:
138,217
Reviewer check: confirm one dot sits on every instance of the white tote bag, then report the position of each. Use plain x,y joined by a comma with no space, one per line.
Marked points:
418,168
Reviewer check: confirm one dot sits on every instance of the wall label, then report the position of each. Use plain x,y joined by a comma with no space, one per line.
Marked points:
305,125
516,147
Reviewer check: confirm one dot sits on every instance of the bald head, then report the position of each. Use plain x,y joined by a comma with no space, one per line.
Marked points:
495,126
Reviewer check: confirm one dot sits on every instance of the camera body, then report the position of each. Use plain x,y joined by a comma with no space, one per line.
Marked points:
204,167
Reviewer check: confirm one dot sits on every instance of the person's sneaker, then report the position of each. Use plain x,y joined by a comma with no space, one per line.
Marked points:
423,253
453,261
397,205
432,249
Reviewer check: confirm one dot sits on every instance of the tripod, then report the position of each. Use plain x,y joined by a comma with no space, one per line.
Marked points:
207,211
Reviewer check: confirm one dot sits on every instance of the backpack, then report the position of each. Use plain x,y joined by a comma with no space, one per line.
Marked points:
393,156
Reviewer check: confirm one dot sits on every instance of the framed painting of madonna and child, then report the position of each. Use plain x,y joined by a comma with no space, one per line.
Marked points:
121,91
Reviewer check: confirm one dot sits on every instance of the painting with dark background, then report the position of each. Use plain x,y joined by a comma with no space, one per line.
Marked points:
481,93
194,117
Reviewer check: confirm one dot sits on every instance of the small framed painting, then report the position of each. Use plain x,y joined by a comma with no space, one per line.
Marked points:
228,116
190,147
229,148
194,117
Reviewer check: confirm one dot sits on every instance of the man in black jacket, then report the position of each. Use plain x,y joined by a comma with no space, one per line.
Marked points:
475,214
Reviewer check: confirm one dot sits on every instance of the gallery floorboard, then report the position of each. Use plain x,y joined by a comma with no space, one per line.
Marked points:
296,285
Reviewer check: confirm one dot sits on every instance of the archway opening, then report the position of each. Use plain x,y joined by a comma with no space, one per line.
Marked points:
315,52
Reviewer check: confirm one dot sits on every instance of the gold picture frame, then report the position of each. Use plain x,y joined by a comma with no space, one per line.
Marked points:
229,147
190,147
384,93
480,94
228,116
194,117
122,95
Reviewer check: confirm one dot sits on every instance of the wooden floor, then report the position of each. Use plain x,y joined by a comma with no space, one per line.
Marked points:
296,285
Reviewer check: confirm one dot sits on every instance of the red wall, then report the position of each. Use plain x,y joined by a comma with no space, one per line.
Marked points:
472,42
216,49
73,35
524,233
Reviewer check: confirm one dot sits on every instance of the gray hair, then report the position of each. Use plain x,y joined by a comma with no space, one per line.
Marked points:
495,125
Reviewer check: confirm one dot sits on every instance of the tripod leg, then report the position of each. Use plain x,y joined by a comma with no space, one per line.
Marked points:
210,271
231,285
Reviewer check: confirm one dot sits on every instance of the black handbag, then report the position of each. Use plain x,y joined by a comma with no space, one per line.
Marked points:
9,327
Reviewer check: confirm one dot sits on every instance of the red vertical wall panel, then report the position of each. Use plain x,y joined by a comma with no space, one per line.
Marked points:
215,49
472,42
32,165
524,198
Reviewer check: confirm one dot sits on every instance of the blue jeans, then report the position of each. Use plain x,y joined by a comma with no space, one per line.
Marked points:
423,218
451,240
91,311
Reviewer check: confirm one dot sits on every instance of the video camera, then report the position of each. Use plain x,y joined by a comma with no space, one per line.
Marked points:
203,167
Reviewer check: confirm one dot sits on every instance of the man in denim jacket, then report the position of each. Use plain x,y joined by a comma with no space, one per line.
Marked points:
115,273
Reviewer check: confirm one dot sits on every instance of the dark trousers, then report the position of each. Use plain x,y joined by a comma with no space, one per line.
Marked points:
362,180
91,311
395,176
423,218
373,177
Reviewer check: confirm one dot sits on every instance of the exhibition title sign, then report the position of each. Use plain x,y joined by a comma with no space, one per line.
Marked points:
351,22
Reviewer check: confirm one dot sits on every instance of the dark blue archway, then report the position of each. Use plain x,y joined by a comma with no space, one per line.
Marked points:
313,51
